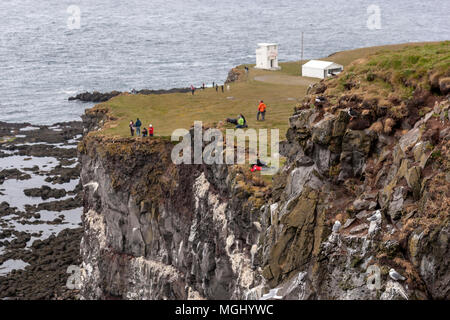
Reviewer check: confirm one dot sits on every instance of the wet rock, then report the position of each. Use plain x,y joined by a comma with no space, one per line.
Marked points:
5,209
61,174
60,205
45,192
46,275
13,174
94,96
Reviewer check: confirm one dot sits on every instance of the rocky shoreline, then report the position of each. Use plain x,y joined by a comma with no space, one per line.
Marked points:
96,96
40,209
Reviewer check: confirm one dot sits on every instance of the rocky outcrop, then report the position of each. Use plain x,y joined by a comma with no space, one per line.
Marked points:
96,96
234,75
355,203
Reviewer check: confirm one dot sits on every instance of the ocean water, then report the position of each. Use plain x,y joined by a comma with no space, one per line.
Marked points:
157,44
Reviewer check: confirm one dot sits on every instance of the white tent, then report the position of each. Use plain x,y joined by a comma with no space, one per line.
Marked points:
267,56
321,69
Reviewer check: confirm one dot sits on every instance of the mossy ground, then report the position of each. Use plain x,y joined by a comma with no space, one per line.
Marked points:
394,73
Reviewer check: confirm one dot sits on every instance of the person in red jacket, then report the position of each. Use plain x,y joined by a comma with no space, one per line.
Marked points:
150,130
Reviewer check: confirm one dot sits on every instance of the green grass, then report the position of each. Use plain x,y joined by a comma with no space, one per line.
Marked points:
179,110
398,72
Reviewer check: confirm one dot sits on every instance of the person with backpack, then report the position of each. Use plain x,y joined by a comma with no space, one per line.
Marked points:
150,130
131,125
261,111
138,126
241,122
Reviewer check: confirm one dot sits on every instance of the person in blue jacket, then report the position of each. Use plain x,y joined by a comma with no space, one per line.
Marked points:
138,126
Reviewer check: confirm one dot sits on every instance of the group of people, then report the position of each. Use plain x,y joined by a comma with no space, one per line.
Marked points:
214,85
137,126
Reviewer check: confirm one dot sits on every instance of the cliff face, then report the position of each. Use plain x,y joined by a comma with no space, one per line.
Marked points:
154,230
358,197
363,194
385,198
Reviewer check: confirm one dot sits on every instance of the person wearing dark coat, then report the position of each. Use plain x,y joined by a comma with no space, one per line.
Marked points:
138,125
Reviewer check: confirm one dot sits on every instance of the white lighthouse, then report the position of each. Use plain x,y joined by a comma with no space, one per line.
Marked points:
267,56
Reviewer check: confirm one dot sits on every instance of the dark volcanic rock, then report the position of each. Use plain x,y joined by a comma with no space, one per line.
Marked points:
95,96
46,275
45,192
60,205
5,209
13,174
61,175
102,97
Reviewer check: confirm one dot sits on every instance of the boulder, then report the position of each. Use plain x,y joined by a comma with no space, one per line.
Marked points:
444,85
295,245
303,119
414,182
395,208
356,146
322,130
410,139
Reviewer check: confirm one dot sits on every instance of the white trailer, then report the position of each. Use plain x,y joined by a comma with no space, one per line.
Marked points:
321,69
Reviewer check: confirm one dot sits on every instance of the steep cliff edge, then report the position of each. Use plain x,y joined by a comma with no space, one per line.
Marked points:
359,195
155,230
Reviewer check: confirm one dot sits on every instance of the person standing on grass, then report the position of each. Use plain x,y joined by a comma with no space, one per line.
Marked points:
261,111
131,125
222,88
144,132
192,89
203,86
138,127
213,84
217,87
150,130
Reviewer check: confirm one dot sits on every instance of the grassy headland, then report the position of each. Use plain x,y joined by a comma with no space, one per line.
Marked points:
377,70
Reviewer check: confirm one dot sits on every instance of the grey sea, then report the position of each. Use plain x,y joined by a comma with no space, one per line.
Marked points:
52,49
